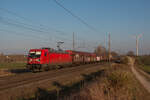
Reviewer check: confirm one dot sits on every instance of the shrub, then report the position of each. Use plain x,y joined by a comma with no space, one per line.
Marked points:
124,60
118,79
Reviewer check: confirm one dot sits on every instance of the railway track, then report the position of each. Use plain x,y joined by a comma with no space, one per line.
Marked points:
12,83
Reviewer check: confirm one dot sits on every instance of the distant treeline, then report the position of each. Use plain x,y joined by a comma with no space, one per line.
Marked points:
145,60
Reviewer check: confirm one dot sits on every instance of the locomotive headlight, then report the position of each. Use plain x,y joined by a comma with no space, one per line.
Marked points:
30,60
38,60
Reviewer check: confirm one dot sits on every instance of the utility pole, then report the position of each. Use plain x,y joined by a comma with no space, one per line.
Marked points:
137,44
105,47
109,47
73,43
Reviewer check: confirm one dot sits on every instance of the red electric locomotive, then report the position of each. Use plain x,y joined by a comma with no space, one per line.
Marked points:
46,58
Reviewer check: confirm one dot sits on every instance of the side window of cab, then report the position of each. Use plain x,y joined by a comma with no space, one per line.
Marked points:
45,54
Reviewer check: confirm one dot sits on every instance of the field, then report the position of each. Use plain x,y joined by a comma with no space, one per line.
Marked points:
12,65
144,63
12,61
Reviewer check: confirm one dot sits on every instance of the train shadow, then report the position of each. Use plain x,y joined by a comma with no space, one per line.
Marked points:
19,71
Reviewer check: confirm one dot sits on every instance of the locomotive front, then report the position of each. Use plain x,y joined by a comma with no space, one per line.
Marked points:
34,59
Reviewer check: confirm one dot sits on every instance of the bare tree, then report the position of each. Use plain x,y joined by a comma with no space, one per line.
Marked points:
100,50
114,54
130,53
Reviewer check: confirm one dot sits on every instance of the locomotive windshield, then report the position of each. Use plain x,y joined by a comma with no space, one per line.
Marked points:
34,54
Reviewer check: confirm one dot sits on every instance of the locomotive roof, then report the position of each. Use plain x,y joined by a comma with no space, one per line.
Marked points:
51,50
62,51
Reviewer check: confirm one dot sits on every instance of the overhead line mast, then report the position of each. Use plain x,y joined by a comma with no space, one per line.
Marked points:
105,47
109,48
73,42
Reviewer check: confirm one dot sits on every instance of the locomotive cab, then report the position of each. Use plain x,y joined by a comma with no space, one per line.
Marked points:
36,58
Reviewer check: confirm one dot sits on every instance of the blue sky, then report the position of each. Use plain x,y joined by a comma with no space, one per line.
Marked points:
122,18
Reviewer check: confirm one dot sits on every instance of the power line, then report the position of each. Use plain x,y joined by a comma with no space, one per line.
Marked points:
23,25
24,35
37,37
40,28
16,21
75,16
26,26
17,24
43,28
29,20
13,13
43,40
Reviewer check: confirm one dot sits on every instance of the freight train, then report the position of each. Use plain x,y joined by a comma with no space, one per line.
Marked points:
48,58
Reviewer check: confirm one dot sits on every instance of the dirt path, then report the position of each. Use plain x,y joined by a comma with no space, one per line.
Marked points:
141,78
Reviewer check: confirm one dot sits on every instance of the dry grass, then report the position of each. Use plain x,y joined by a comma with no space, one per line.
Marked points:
117,84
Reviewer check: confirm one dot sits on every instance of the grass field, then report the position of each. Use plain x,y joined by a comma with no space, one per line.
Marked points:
145,68
12,65
12,61
144,63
